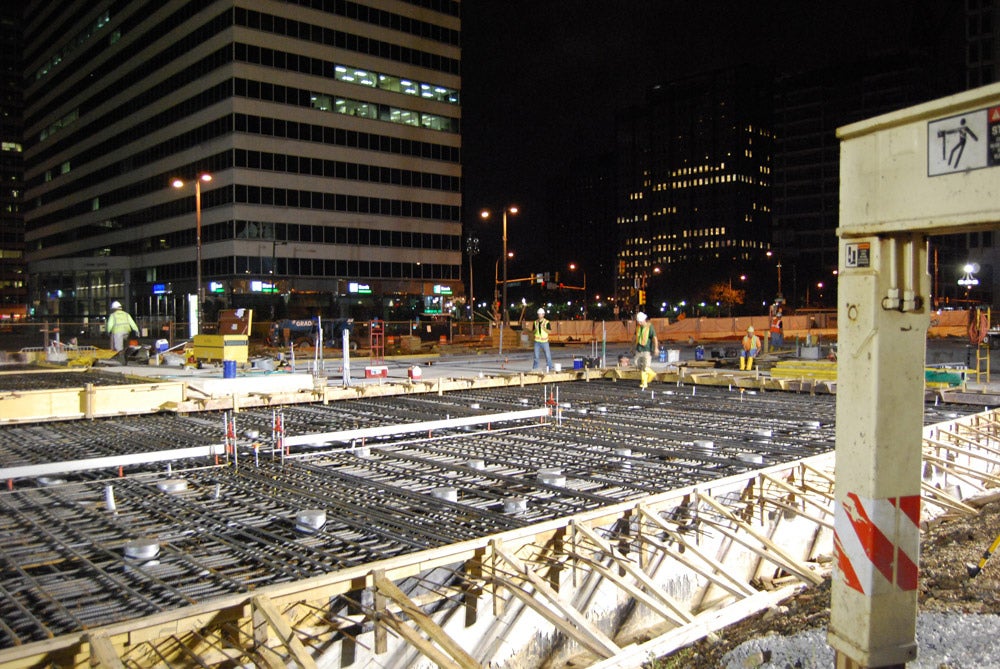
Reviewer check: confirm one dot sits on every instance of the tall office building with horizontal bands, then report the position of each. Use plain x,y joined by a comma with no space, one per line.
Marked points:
12,284
330,130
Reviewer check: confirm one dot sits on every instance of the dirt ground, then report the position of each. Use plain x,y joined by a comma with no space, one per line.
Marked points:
945,586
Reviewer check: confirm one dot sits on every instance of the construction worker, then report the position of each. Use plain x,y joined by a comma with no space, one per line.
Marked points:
119,324
777,331
646,347
542,328
751,347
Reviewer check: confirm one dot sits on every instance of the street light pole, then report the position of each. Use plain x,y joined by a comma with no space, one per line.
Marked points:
504,320
573,266
178,183
471,249
503,314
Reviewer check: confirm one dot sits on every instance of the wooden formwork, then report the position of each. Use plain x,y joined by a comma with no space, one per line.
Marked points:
586,587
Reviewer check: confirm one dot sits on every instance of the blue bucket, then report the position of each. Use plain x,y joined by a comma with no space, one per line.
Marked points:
229,369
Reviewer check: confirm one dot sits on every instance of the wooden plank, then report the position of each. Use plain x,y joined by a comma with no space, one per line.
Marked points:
429,650
102,652
265,654
944,500
423,621
771,548
707,574
702,626
653,602
795,490
784,506
988,436
955,448
581,629
948,465
719,572
285,632
381,600
560,623
680,614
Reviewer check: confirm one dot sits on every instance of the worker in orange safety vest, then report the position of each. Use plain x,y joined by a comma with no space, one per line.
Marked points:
751,347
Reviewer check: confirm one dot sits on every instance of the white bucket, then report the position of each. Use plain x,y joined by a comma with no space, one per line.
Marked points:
557,367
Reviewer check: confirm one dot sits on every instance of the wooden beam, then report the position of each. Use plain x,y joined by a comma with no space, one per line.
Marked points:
719,571
102,652
380,601
429,650
270,658
680,614
948,465
702,626
424,622
784,506
285,632
955,448
795,490
575,624
771,549
637,593
941,498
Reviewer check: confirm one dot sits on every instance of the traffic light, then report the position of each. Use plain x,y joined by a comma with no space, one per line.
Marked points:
642,297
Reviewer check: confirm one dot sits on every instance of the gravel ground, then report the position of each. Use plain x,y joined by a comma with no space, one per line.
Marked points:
958,626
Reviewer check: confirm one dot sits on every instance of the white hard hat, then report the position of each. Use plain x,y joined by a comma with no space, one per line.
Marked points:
541,312
640,317
116,305
750,329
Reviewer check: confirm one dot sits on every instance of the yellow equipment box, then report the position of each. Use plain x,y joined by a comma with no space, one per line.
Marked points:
222,347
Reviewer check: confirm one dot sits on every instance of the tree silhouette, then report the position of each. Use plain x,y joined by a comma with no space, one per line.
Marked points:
726,295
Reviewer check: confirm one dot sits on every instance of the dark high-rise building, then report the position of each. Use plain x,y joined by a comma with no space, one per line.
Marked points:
13,288
581,221
808,109
330,131
693,202
979,251
982,42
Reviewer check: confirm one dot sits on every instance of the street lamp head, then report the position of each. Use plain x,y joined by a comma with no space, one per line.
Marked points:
179,183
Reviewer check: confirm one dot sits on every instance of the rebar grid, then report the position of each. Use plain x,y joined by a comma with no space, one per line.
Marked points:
233,527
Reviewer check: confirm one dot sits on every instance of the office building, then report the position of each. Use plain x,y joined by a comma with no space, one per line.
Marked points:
13,289
330,131
808,108
693,196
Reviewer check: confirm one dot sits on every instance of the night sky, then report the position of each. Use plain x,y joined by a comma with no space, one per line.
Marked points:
542,79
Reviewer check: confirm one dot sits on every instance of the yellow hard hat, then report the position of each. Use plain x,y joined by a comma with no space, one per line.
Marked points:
750,329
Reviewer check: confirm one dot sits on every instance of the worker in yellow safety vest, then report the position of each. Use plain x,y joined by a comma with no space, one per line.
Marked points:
542,329
119,324
646,347
751,347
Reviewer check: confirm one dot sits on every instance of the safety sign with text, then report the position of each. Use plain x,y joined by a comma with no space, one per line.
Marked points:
968,141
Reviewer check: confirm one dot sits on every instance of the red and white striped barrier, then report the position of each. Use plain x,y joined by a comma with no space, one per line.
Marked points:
871,539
